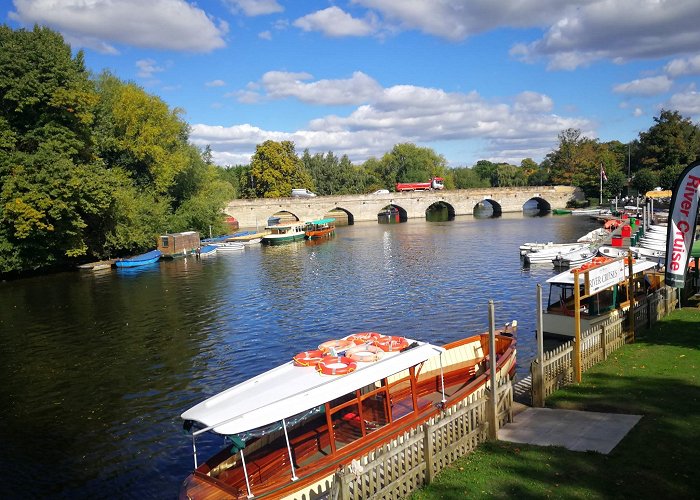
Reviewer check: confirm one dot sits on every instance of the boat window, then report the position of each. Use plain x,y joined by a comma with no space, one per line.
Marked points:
401,399
347,425
374,412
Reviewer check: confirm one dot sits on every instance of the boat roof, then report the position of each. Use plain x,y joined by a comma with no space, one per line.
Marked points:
322,221
567,277
289,389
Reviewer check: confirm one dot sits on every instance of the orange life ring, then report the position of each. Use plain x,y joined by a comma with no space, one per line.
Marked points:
336,345
365,353
336,365
391,343
363,337
308,358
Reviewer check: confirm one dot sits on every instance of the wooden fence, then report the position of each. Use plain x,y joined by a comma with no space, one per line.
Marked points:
415,457
597,343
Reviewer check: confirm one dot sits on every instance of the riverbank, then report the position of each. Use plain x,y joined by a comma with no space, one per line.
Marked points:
658,377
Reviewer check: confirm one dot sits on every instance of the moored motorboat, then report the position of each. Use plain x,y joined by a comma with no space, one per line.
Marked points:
139,260
229,246
574,258
207,250
322,228
284,233
290,428
546,255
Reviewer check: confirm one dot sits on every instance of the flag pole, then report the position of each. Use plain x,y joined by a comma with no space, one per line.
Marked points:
601,183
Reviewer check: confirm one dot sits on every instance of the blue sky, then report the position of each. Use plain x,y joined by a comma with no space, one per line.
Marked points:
477,79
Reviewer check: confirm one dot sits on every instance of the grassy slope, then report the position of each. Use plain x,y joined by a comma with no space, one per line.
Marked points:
657,377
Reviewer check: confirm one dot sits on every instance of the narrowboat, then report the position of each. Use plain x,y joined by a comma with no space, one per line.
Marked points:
290,429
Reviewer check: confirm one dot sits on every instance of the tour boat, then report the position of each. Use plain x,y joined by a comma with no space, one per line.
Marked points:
284,233
322,228
558,317
290,429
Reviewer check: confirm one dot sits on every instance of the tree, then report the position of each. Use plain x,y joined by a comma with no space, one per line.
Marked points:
669,176
645,180
672,140
276,170
465,178
410,163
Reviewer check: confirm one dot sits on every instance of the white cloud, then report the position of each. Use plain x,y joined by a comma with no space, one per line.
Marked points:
265,35
680,67
637,112
147,68
97,24
254,7
687,103
525,127
355,90
645,86
619,30
334,22
216,83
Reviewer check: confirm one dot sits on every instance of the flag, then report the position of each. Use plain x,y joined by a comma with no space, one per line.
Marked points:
602,173
680,233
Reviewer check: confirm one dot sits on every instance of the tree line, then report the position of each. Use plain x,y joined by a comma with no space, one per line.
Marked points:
94,167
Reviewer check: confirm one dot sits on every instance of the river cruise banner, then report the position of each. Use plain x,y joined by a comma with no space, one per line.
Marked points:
681,225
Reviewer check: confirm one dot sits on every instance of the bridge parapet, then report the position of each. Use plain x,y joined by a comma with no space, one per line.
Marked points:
364,207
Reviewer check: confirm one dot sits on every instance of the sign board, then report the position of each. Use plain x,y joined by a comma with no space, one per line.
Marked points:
681,224
605,276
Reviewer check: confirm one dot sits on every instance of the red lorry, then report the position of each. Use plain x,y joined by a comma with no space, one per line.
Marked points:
434,183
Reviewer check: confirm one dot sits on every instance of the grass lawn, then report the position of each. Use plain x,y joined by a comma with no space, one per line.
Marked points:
658,377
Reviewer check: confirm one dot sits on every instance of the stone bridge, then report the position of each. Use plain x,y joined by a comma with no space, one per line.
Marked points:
414,204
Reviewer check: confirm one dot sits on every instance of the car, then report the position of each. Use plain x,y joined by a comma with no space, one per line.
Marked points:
381,191
302,193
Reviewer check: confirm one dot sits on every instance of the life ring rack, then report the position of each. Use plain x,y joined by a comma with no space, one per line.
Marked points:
391,343
364,337
336,365
309,358
365,353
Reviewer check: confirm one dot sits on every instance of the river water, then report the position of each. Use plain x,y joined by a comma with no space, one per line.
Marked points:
97,367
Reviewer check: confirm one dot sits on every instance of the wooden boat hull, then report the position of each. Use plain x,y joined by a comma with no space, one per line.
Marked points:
314,465
320,233
281,239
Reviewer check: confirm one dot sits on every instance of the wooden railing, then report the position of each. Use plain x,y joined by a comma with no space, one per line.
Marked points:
597,343
417,456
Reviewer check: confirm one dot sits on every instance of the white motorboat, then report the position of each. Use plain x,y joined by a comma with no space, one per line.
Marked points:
614,252
546,255
537,247
575,258
594,236
229,246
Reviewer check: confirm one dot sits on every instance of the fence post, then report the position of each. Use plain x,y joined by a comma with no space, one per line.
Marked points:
537,374
604,341
493,394
428,453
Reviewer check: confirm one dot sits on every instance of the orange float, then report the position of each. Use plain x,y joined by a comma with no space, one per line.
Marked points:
365,353
363,337
308,358
336,365
391,343
336,345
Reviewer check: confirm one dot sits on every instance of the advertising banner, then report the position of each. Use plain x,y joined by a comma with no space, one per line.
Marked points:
681,225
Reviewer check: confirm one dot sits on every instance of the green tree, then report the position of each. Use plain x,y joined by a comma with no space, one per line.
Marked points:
410,163
669,175
645,180
672,140
466,178
276,170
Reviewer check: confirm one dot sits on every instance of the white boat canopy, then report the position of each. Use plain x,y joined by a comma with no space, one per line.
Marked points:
567,277
289,390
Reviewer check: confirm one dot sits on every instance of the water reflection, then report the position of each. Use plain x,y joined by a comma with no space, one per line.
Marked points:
97,367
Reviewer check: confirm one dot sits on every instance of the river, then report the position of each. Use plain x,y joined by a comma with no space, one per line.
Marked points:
97,367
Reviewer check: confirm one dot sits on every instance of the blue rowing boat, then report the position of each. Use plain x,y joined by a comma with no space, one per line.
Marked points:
139,260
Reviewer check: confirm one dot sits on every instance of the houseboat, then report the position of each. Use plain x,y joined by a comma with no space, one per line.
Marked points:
292,427
179,244
322,228
284,233
607,304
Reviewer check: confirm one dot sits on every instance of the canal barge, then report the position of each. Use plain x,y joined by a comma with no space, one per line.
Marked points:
291,428
322,228
284,233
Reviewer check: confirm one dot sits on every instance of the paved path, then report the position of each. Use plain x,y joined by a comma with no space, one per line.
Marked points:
574,430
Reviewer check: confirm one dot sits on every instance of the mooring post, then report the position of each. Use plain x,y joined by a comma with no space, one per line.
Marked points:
537,389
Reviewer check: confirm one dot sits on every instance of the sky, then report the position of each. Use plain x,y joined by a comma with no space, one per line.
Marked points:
474,80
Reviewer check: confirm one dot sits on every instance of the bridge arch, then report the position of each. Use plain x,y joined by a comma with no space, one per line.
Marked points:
283,216
537,206
488,208
392,214
342,216
440,211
